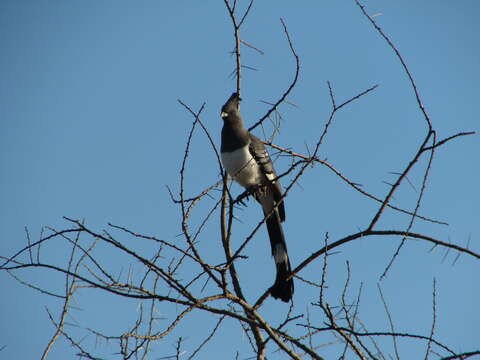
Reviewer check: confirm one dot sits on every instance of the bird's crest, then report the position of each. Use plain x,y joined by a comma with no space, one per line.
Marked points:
232,105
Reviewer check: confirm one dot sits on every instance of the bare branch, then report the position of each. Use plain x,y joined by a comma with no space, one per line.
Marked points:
434,318
290,87
402,61
366,233
390,321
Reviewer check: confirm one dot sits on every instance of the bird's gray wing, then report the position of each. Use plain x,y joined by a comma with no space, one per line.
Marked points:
261,156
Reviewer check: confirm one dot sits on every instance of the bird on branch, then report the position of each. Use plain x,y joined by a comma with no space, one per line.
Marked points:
247,161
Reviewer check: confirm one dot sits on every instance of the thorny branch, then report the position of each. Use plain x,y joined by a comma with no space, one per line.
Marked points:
290,87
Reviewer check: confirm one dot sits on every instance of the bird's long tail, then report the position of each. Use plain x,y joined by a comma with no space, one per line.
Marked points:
282,288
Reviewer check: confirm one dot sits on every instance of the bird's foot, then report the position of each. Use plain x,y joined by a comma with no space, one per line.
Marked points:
243,196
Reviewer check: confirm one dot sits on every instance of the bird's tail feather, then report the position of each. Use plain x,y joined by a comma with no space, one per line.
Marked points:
282,288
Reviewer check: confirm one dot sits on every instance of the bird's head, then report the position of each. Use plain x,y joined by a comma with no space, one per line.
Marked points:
232,106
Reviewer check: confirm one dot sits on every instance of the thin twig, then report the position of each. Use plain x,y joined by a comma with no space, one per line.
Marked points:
434,318
290,87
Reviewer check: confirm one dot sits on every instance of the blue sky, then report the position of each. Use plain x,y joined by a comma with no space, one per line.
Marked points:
91,129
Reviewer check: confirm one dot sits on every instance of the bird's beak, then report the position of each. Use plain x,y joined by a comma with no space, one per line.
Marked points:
223,114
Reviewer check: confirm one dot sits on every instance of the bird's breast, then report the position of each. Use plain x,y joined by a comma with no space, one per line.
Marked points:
242,167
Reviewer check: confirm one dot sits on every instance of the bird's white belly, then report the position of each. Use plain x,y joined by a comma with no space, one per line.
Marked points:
242,167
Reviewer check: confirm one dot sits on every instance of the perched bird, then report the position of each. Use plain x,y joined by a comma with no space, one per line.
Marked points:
247,161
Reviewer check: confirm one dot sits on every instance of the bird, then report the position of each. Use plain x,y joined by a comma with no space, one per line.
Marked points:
247,162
